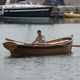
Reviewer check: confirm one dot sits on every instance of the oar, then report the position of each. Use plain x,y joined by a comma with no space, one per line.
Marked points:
75,45
7,39
14,41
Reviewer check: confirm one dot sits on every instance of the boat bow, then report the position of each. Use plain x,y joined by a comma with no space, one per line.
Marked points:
10,46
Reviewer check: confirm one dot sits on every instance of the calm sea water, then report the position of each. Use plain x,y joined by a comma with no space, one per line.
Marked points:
64,67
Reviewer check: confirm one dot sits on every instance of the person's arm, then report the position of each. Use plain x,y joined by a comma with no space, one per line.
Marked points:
43,39
34,41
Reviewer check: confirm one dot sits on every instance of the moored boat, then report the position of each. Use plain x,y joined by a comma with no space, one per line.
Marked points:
52,47
24,10
71,15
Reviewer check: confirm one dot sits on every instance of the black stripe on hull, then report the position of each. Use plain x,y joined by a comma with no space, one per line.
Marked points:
28,12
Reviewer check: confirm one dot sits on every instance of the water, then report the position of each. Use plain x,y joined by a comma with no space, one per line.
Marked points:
64,67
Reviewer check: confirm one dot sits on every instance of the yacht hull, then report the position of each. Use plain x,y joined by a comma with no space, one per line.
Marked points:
27,12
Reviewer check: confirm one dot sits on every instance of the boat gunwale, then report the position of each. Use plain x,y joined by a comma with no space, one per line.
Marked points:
42,45
47,45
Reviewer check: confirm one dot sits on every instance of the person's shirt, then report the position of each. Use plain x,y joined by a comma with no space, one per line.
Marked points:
40,39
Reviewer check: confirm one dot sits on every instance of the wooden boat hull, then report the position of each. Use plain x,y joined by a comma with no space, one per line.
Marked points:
17,50
69,15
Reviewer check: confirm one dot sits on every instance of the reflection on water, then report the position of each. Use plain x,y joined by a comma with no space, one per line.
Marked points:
35,20
72,20
28,20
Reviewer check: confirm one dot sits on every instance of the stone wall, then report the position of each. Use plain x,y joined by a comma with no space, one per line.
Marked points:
38,1
67,2
2,2
34,1
72,2
13,1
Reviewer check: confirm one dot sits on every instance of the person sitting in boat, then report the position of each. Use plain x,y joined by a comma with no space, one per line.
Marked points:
39,39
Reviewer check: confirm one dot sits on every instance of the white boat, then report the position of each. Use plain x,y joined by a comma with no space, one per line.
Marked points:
25,10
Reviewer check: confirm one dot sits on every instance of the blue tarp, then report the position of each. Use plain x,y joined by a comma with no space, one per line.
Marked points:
55,2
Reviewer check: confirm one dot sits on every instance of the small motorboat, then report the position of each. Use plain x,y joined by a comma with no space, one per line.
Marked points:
52,47
71,15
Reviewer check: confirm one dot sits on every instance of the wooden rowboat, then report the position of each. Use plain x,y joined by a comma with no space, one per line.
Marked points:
52,47
71,15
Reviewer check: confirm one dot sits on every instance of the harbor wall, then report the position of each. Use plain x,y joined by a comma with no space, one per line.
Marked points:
35,1
67,2
60,10
72,2
13,1
2,2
